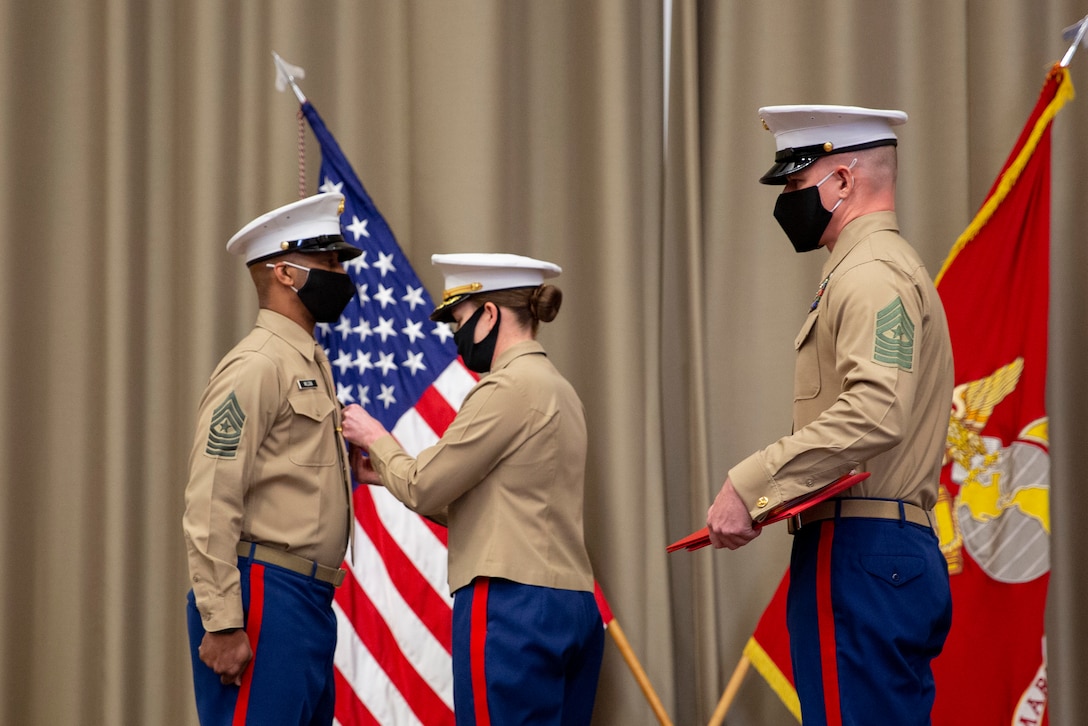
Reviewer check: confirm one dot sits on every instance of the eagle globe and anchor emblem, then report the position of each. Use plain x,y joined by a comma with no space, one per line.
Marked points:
1001,513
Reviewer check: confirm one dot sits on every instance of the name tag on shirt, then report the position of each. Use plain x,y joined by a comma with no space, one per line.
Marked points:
308,383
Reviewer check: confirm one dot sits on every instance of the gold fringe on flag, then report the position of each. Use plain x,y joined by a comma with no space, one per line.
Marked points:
1012,174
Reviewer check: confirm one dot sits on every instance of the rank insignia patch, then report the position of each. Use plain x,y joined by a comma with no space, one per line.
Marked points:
894,340
225,432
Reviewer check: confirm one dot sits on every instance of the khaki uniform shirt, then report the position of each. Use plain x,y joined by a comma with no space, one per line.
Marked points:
267,464
873,383
511,470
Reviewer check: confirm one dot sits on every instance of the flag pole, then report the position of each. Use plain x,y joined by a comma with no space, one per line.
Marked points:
613,627
1076,32
730,692
285,74
617,634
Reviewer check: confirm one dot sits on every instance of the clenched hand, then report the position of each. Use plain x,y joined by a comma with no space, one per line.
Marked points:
227,653
728,521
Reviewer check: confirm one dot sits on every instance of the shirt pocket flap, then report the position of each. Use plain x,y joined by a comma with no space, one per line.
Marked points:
311,405
806,376
806,329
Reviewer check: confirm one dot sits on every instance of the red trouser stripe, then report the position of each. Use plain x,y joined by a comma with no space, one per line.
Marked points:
476,651
253,630
825,614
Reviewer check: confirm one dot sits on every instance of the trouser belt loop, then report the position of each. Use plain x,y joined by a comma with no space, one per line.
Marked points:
252,550
902,515
838,511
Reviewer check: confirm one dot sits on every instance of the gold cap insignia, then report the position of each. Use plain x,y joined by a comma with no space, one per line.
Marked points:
461,290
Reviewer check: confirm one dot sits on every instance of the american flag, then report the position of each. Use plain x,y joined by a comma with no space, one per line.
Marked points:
394,610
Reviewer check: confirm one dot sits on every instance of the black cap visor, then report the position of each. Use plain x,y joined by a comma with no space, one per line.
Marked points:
323,243
791,165
793,160
443,313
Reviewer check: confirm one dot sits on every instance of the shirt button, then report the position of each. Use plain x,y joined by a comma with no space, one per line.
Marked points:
762,502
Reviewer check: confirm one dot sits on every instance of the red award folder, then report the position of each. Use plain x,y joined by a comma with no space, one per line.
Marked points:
785,510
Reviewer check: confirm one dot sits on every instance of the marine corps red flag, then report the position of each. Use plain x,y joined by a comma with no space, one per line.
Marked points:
993,512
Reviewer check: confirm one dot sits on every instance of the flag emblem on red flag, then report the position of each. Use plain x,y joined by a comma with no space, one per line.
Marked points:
393,653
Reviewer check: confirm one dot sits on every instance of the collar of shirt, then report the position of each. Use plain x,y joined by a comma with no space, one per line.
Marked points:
525,347
855,232
283,327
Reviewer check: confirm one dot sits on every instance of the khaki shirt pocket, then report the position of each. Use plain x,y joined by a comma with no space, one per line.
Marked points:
312,438
806,376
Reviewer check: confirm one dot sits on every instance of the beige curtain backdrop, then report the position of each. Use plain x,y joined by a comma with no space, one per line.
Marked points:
137,136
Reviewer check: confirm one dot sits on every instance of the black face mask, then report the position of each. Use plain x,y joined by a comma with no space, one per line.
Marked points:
477,356
802,215
325,293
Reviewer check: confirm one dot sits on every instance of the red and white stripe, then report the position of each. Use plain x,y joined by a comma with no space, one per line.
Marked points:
394,610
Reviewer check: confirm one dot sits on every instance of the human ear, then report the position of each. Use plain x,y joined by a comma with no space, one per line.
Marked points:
492,311
281,274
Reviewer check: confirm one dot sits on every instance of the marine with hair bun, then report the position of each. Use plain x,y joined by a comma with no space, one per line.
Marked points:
508,477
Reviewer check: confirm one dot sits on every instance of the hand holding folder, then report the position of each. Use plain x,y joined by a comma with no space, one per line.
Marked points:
785,510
